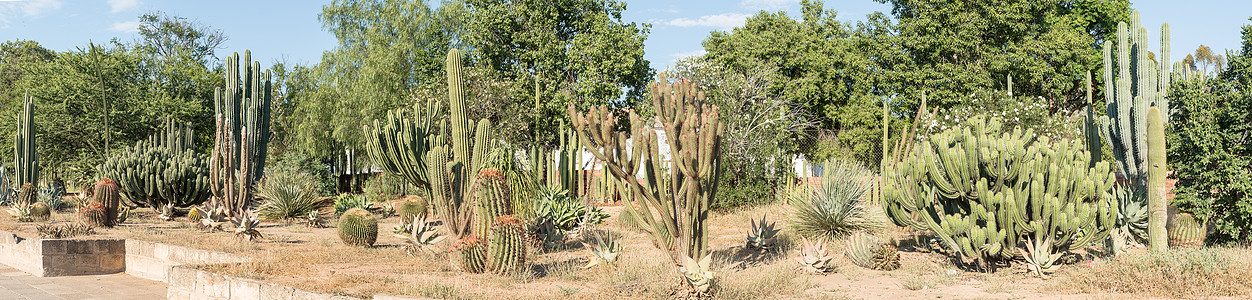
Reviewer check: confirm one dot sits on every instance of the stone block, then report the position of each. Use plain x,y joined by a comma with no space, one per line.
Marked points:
271,291
212,285
244,289
54,247
80,247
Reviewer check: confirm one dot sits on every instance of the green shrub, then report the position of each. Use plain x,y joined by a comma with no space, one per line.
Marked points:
554,204
286,195
743,191
350,201
835,209
384,187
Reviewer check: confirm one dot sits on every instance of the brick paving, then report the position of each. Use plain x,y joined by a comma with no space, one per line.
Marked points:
15,285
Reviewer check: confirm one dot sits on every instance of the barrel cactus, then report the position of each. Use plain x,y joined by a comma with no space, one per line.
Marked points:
469,254
1185,231
506,246
108,192
867,251
40,212
95,215
357,227
491,199
410,208
27,195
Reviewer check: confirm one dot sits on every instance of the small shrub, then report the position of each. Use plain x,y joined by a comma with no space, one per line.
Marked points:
835,209
384,187
735,192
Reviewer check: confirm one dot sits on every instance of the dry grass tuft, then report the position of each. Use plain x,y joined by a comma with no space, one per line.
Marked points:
1180,273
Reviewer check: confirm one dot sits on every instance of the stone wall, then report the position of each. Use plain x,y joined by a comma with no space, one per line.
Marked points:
62,257
152,261
187,283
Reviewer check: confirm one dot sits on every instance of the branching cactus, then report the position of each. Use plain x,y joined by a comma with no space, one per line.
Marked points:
242,113
165,169
25,158
673,208
982,190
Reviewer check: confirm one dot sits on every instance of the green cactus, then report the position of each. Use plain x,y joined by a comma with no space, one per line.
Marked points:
40,212
357,227
470,254
676,219
242,113
26,195
982,190
506,246
164,169
107,192
1156,181
410,208
860,249
1185,231
94,215
491,199
25,158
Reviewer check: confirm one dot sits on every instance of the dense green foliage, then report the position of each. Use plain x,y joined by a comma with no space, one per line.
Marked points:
1208,148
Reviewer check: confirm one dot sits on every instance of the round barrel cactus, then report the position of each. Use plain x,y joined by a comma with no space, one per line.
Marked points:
1184,231
357,227
411,207
94,215
39,212
107,192
491,199
469,254
506,246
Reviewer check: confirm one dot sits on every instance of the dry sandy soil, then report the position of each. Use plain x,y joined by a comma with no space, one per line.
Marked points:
314,259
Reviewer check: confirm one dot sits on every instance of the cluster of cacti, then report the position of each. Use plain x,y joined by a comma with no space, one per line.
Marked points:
982,189
561,166
813,257
357,227
469,254
762,235
411,208
107,192
678,202
491,199
40,212
25,158
1133,88
1186,231
506,246
242,113
95,215
165,169
608,189
867,251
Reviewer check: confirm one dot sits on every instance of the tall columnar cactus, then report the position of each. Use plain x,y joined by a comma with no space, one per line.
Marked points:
357,227
674,211
164,169
106,192
983,190
436,153
27,195
25,158
491,199
1156,181
469,254
242,113
506,246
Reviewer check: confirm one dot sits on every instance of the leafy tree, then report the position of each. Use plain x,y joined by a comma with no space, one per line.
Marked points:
577,50
169,37
1208,147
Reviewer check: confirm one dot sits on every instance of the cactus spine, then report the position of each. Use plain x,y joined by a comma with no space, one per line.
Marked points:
1156,181
242,113
25,158
357,227
506,246
106,192
675,211
470,254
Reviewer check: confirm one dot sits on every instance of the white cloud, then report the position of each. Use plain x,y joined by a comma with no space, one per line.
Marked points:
28,8
129,26
122,5
767,4
722,21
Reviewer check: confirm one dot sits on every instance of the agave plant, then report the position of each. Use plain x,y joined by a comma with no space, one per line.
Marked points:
549,236
1132,218
1039,257
123,213
287,195
349,201
246,226
835,209
212,219
314,219
386,210
814,258
762,236
422,237
606,250
567,213
698,274
167,211
22,213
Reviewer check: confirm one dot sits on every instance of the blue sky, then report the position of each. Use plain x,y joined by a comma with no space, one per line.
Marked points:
289,30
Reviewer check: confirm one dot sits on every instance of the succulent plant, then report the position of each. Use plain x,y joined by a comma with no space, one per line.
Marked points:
108,193
94,214
470,254
886,257
314,219
26,195
195,214
865,250
357,227
211,220
25,157
246,226
813,257
39,212
122,214
242,115
421,238
1186,231
1040,259
61,231
163,169
698,274
606,250
21,212
762,236
166,212
548,236
506,247
411,208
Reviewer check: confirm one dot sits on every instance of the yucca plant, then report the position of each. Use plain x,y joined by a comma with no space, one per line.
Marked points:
421,238
762,235
287,195
835,209
246,226
605,251
813,257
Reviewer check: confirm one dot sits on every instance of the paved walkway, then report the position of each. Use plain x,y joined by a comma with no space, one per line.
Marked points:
15,285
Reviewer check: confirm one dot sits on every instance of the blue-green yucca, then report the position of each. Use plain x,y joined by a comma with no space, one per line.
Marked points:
287,195
835,209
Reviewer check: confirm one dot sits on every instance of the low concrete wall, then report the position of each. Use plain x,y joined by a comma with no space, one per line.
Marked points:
187,283
152,261
62,257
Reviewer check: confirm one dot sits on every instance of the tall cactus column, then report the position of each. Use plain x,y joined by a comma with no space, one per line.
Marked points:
1157,236
25,158
242,113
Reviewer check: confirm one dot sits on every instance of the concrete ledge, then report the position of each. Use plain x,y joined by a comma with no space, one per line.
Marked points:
187,283
152,261
62,257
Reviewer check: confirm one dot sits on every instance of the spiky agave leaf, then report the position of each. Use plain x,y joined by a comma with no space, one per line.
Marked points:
606,250
813,257
698,274
1040,258
421,238
762,235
